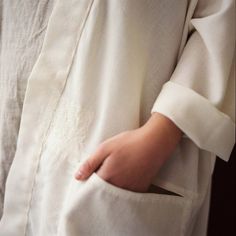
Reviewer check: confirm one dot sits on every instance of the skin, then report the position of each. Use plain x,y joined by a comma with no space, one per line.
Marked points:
131,159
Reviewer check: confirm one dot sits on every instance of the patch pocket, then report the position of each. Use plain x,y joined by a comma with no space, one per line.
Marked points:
96,207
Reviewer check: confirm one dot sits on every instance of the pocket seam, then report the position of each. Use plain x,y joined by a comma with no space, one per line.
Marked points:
176,189
136,196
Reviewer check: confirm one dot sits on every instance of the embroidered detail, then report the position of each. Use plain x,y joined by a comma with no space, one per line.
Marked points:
68,130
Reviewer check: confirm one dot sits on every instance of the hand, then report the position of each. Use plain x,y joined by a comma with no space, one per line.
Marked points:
132,158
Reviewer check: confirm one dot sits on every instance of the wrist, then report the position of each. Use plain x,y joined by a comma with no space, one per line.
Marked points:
163,132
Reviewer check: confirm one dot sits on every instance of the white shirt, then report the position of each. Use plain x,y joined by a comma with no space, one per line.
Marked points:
104,67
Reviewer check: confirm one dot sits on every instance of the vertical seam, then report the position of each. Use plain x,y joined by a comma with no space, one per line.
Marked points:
50,99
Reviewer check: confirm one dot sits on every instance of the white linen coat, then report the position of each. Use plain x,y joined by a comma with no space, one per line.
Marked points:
104,67
22,29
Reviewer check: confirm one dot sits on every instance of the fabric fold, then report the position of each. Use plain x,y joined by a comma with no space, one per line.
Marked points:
208,127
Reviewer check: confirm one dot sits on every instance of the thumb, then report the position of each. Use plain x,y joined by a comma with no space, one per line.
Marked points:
92,163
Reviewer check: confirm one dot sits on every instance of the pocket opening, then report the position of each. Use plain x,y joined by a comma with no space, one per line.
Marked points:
156,189
138,196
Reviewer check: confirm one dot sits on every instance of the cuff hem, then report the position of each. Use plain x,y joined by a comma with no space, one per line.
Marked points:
211,129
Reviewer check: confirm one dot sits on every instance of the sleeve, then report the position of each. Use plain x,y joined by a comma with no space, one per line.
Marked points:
199,97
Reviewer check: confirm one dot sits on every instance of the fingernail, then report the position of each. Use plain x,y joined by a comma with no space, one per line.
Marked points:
78,175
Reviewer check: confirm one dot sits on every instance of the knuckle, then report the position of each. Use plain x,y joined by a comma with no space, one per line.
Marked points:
102,148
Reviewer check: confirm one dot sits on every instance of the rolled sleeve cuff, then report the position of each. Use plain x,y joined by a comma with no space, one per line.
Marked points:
209,128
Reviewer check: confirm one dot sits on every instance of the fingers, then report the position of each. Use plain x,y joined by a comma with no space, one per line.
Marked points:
92,163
